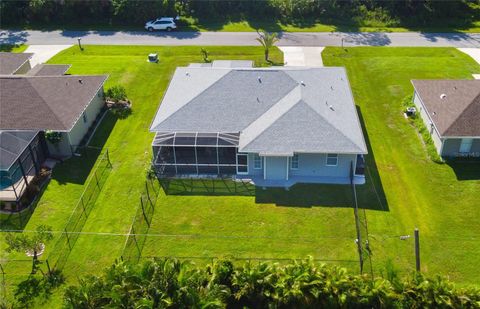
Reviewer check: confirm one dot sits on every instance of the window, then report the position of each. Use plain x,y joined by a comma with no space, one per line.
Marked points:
294,162
332,159
84,116
257,162
466,145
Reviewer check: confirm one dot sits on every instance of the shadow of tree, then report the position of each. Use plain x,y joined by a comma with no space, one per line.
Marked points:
10,38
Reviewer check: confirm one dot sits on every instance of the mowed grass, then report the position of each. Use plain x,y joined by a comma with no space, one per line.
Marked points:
202,220
440,199
128,141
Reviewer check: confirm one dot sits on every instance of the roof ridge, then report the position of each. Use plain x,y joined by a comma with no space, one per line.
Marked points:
190,101
333,126
258,126
45,103
476,100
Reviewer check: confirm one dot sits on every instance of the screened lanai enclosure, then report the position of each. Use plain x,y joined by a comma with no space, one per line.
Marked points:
198,154
21,156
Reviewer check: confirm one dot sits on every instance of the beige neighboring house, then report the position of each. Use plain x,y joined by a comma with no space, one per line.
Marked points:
14,63
39,100
451,111
68,104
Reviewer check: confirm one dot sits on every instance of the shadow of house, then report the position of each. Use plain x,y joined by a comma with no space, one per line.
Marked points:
77,168
371,195
465,169
207,187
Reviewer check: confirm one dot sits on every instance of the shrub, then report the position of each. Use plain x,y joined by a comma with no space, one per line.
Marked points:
417,122
116,93
53,137
298,284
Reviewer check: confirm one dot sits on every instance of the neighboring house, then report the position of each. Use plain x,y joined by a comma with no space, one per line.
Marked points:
14,63
31,104
451,111
21,156
275,126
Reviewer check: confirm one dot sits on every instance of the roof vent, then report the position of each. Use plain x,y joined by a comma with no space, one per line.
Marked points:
80,81
259,79
331,107
331,87
302,82
187,73
443,96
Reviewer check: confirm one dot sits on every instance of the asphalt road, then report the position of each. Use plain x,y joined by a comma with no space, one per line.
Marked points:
35,37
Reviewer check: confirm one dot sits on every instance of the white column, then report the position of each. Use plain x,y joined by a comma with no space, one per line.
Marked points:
264,168
288,158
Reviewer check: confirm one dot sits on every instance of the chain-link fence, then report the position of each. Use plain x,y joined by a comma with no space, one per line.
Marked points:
142,220
79,216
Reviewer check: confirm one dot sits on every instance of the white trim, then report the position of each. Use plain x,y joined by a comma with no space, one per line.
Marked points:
236,157
264,168
255,156
288,165
326,159
298,162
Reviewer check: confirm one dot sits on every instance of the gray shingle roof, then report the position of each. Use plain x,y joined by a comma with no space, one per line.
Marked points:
276,110
12,145
45,102
458,112
11,62
48,70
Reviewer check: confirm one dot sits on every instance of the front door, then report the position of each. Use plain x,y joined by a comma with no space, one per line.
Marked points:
242,163
466,145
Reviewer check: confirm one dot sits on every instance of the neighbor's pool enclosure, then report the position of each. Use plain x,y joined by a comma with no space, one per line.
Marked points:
21,155
198,154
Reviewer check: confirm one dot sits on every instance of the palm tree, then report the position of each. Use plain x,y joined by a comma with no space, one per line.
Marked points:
267,40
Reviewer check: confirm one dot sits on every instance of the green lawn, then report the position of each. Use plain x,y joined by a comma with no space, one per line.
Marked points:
404,188
128,141
440,199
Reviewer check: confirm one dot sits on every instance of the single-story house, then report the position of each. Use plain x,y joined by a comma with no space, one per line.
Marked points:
274,126
14,63
34,104
68,104
450,110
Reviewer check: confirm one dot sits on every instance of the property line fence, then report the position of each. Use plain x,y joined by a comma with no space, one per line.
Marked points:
80,213
142,221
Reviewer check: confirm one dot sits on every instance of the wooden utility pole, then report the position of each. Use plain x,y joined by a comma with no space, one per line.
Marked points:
417,250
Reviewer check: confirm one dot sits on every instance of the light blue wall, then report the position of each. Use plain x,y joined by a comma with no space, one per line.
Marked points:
316,165
309,165
276,168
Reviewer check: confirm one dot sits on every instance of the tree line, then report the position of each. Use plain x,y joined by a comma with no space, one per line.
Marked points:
162,283
130,12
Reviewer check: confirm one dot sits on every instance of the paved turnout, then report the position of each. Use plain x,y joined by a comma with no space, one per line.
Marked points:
302,56
59,37
41,53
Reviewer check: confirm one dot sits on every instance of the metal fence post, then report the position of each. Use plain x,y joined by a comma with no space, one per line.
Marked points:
417,250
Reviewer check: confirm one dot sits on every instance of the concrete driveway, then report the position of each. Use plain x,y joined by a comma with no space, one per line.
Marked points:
299,56
41,53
